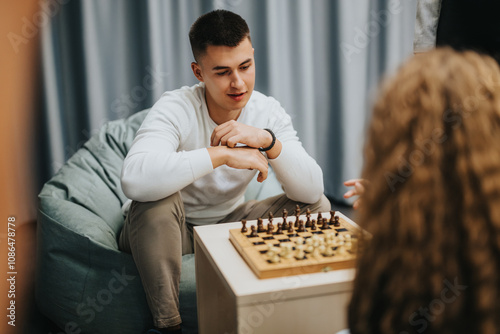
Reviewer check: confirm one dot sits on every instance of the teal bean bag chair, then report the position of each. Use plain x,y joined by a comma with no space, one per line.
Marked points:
84,283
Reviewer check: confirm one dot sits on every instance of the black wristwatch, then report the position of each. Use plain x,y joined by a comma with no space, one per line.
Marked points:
272,143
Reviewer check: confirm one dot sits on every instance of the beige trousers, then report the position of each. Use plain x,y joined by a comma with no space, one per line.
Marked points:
157,235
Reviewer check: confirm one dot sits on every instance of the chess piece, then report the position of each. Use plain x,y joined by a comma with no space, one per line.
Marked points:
290,228
253,232
315,240
337,222
297,210
309,245
286,251
318,251
328,251
275,259
272,254
270,217
301,226
280,229
341,250
260,226
324,225
270,227
299,252
284,226
299,241
308,221
308,212
313,225
332,216
244,227
297,214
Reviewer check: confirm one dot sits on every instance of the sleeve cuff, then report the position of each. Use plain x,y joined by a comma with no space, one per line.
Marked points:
200,162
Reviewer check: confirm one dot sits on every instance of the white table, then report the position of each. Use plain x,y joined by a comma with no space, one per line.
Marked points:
231,299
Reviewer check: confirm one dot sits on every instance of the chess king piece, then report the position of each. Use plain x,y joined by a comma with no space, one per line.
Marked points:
297,214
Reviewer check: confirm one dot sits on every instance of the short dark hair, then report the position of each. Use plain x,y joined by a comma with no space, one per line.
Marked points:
218,27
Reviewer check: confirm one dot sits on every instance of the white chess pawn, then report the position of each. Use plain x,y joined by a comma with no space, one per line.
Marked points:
275,258
319,250
286,251
299,252
341,250
328,251
315,238
330,243
299,241
309,245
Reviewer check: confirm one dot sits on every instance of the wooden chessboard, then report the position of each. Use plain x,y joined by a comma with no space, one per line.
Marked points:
255,249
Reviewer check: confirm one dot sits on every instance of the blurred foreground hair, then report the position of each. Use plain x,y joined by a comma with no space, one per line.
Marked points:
432,160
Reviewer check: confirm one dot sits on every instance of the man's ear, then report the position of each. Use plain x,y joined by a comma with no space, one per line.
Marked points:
197,71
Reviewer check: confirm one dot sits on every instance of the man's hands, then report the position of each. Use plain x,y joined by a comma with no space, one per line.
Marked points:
241,158
225,152
232,132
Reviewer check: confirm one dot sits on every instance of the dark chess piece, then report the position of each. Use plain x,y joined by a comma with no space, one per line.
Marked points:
308,212
270,228
260,226
301,226
337,222
297,210
280,229
319,217
244,227
332,216
324,225
285,214
290,228
313,225
253,232
270,217
285,224
308,221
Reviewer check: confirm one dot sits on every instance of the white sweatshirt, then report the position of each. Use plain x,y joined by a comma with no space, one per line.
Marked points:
169,154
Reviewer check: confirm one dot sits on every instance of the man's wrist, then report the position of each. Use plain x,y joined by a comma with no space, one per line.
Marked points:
217,155
273,141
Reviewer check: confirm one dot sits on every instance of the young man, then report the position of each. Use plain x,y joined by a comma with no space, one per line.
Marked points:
195,154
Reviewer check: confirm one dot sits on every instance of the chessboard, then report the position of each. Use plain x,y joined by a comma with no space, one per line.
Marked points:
299,244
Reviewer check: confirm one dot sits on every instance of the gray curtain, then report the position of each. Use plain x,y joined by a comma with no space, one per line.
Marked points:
322,59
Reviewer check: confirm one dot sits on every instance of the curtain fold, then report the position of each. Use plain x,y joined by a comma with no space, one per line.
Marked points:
322,59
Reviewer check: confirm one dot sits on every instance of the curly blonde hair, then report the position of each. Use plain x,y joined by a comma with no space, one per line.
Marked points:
432,160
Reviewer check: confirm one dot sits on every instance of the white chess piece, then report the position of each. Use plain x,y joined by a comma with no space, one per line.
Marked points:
299,252
309,245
